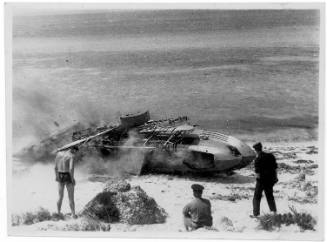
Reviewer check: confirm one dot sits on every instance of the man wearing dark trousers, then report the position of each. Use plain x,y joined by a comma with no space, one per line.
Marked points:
266,176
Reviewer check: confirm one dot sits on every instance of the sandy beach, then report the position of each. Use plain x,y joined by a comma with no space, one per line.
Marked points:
248,73
230,196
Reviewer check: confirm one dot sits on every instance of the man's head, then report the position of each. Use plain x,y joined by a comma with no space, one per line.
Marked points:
257,147
74,149
197,190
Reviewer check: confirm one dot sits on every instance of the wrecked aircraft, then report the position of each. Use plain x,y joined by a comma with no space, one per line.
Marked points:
169,145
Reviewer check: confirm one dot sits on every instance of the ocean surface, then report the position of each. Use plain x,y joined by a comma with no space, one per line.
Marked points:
253,74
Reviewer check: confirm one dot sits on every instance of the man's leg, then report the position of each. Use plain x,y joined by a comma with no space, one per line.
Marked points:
70,190
61,196
270,198
257,198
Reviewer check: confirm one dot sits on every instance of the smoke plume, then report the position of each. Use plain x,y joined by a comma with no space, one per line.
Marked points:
127,160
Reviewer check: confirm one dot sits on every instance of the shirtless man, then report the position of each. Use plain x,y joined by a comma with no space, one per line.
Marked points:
64,169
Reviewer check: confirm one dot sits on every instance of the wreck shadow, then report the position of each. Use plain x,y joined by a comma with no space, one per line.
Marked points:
221,178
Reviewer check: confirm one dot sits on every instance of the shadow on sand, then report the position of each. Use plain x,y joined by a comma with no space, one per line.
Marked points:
220,178
234,178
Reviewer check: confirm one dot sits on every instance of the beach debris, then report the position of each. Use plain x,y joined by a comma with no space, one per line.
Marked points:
39,215
312,150
119,202
226,224
303,161
207,228
271,221
115,186
307,169
300,177
233,197
288,168
80,224
59,216
310,189
237,193
28,218
242,189
306,191
284,155
313,166
302,200
99,178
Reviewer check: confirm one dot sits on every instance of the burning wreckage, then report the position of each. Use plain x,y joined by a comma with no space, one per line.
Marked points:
169,146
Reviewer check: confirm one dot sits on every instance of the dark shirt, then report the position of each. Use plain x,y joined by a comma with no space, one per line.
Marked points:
199,210
265,164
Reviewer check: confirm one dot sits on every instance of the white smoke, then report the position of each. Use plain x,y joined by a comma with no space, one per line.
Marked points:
127,160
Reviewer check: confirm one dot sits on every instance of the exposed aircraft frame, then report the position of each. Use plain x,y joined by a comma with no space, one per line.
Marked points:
170,145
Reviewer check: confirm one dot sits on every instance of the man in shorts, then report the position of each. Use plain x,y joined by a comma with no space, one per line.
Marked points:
64,170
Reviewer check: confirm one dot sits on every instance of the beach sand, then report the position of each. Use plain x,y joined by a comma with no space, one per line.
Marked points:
230,196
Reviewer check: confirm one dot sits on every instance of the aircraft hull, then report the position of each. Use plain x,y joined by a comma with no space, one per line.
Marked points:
208,156
168,146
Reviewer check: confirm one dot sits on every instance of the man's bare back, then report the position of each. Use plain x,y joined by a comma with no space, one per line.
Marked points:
64,161
64,169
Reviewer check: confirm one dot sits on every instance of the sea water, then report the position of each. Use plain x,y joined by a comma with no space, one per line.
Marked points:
253,74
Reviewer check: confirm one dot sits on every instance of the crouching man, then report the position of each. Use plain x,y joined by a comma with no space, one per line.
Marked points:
197,213
64,170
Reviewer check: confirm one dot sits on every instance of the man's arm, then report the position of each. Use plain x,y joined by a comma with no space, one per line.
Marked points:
257,167
56,170
71,168
275,166
186,211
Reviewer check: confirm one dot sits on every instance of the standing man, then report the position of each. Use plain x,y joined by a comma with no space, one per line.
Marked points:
197,213
64,169
266,176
